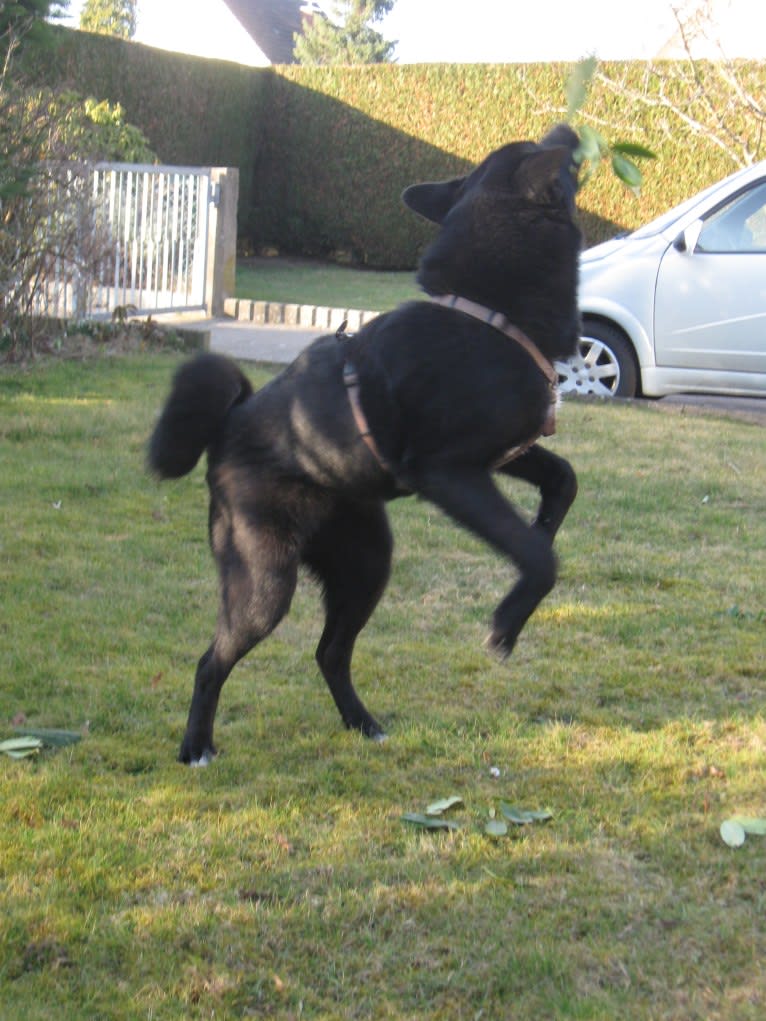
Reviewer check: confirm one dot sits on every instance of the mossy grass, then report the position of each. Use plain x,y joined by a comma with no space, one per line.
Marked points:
281,882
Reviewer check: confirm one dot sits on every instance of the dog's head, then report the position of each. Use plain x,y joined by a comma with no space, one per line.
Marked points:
508,236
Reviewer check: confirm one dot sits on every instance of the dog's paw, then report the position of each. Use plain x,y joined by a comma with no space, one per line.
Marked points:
499,645
196,757
373,731
367,726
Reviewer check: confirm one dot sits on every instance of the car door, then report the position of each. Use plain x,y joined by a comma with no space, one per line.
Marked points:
710,300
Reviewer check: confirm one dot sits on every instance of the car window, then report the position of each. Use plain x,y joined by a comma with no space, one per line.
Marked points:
737,226
667,219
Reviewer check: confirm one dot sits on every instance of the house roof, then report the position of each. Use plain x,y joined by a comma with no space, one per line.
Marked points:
272,24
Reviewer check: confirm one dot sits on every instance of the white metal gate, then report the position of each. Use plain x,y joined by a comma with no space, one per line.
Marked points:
139,241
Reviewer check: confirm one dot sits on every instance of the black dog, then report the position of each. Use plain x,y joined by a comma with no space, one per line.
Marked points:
427,399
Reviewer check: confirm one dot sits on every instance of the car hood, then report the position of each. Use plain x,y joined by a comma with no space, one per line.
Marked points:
619,249
605,249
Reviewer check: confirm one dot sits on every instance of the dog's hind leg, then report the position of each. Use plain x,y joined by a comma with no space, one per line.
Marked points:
471,498
554,477
258,574
351,557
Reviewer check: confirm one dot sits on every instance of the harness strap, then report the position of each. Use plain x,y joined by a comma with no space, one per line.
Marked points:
501,323
351,383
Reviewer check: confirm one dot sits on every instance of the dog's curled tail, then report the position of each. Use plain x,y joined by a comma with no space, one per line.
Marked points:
203,393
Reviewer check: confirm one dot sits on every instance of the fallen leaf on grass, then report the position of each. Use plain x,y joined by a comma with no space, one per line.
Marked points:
733,831
443,805
429,822
432,818
523,816
52,738
21,747
31,742
496,828
754,827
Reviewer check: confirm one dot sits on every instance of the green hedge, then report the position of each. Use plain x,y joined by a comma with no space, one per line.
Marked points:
324,153
195,112
347,140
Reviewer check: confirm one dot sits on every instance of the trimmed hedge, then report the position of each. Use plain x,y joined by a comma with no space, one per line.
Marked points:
324,153
195,112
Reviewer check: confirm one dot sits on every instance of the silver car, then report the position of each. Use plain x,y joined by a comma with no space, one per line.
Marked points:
679,306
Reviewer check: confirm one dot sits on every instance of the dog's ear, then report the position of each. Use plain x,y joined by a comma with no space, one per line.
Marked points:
541,170
433,201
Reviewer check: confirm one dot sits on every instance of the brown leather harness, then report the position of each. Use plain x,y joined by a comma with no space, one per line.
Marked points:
351,383
499,322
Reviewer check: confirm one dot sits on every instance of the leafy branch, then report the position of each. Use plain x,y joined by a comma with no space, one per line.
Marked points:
594,147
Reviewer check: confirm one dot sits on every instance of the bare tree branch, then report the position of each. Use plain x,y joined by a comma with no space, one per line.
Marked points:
711,97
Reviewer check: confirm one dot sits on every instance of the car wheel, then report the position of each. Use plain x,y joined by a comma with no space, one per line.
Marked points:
604,365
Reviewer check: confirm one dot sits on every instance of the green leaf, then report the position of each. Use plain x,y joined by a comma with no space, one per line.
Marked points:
633,149
496,828
21,747
429,822
578,84
754,827
732,833
592,145
443,805
522,816
627,171
52,738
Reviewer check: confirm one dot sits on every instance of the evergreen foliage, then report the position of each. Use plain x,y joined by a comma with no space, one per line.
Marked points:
23,23
348,37
109,17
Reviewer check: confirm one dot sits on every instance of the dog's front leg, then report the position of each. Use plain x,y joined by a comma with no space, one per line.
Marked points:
471,498
554,477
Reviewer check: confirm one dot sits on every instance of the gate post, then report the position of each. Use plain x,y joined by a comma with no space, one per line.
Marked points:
222,238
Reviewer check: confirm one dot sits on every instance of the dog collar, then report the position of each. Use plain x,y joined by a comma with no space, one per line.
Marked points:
501,323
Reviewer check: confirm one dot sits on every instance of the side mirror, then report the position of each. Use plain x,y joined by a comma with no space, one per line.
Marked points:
688,238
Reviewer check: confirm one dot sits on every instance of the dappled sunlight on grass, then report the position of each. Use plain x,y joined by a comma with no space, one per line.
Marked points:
568,612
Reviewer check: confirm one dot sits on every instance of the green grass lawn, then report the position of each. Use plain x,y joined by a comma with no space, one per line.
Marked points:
320,283
281,882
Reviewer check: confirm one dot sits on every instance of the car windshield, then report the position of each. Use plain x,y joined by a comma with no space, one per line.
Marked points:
664,221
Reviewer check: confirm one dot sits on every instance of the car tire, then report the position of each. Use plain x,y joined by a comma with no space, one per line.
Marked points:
604,366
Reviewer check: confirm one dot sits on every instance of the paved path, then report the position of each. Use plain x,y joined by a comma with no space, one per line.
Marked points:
279,344
248,341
